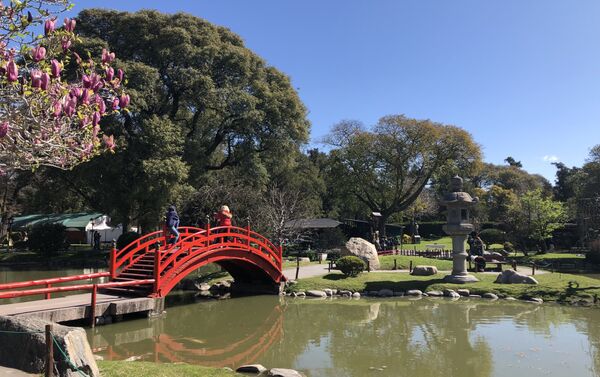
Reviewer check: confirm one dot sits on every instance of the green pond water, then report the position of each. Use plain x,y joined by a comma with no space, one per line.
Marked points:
365,337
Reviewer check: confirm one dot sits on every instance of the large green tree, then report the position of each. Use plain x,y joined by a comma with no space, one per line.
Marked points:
202,104
386,168
535,216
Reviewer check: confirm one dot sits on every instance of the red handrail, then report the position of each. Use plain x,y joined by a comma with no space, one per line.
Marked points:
80,287
65,279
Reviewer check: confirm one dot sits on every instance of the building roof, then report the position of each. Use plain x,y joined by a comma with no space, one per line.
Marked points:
312,223
70,220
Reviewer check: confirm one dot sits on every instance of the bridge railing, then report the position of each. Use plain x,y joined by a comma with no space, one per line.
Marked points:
220,236
48,283
136,250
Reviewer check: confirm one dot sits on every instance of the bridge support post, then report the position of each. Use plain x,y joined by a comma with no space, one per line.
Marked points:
159,308
113,262
156,270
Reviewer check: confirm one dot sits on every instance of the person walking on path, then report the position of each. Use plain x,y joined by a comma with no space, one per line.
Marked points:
172,222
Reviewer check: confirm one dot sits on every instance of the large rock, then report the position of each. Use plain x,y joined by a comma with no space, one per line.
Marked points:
282,372
251,368
424,270
363,249
24,347
513,277
315,293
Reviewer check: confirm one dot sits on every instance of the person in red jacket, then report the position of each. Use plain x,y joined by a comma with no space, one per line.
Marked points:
223,217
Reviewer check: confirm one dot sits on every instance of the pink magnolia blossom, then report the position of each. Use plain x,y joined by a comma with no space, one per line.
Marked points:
12,71
36,78
70,105
124,101
55,68
120,75
70,24
101,105
76,92
110,73
77,58
115,104
65,43
57,109
4,126
49,25
38,53
85,97
107,57
95,131
96,118
109,141
45,80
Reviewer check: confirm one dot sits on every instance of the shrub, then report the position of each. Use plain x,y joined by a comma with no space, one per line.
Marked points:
330,238
351,265
593,255
509,247
126,238
48,238
490,236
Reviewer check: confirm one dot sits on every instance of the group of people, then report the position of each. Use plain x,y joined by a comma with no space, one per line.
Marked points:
222,217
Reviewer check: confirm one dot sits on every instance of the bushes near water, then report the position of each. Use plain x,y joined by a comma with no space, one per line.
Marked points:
351,266
126,238
48,238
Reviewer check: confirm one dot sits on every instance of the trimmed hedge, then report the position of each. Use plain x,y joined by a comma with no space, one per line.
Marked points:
126,238
350,265
490,236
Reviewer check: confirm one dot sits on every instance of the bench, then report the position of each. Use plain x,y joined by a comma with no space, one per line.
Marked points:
481,262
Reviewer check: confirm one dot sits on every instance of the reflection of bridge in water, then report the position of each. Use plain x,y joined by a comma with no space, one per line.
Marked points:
154,343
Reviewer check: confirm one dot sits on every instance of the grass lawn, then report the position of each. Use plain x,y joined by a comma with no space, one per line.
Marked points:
402,262
292,264
71,256
552,287
446,241
146,369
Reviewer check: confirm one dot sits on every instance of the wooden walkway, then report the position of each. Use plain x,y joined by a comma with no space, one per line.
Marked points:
78,307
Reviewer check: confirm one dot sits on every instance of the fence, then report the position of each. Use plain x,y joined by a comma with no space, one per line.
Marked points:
427,253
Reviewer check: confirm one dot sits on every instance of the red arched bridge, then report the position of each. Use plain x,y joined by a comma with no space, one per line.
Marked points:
151,267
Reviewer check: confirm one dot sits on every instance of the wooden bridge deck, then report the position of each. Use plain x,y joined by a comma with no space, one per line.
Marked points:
78,307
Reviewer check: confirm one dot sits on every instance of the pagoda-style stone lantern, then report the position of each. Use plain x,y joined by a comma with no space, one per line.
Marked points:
458,227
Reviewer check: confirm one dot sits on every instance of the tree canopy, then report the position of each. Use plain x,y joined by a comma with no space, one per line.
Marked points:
201,103
387,168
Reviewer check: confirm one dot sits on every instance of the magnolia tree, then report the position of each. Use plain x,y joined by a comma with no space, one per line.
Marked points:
47,118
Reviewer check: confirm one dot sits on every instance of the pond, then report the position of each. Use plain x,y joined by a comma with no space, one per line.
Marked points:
344,337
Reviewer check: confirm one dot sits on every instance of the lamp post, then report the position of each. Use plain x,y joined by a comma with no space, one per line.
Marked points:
9,223
92,232
458,227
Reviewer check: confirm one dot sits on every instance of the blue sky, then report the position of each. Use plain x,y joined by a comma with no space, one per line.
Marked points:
523,77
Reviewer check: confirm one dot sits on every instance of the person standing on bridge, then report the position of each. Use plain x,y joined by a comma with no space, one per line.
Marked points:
172,222
223,218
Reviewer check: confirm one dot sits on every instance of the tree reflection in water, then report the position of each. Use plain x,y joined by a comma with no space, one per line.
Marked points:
347,337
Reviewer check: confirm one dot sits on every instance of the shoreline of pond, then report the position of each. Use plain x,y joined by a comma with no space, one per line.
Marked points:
565,289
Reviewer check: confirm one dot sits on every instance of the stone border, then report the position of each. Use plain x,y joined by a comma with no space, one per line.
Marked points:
414,293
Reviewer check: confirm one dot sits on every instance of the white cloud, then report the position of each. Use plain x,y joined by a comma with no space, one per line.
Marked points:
550,158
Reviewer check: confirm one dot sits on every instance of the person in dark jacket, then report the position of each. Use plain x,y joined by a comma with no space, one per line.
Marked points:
172,222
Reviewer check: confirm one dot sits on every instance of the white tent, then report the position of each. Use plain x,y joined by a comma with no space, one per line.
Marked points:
107,233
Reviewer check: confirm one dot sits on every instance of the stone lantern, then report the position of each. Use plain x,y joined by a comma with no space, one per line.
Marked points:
458,227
